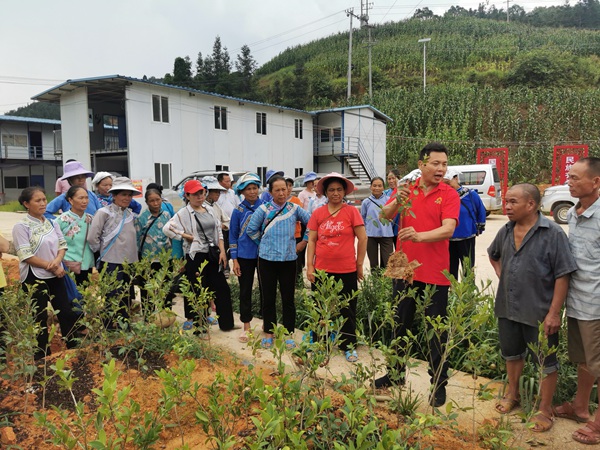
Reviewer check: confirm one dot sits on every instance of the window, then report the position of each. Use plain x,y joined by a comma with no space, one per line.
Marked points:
220,118
16,182
473,178
298,170
337,134
298,128
111,132
14,140
160,108
220,168
162,174
262,173
325,134
261,123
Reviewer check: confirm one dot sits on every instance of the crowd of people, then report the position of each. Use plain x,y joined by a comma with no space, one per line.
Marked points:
538,266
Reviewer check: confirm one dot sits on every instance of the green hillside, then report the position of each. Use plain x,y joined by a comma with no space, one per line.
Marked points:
489,84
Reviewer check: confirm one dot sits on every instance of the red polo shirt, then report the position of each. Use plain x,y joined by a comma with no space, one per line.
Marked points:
442,202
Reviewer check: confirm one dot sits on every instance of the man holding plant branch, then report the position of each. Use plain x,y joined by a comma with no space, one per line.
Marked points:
433,210
531,257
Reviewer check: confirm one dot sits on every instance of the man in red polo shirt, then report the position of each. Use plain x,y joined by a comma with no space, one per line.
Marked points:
425,238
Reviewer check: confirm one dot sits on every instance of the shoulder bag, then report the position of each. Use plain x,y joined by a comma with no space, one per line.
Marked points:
213,250
112,241
154,219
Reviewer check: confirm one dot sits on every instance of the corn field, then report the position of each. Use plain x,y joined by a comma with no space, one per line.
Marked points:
528,122
468,103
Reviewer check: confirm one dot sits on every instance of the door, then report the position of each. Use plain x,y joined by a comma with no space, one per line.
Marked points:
35,145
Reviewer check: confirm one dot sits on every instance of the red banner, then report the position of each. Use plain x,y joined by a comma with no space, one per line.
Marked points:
497,157
564,157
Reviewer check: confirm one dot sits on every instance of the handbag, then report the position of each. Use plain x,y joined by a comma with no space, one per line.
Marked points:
73,266
213,251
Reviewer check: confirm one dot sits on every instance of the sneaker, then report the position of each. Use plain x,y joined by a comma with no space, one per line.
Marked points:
438,397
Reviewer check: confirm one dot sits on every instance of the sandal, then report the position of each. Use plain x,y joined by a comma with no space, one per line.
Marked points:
290,344
266,343
589,434
568,412
212,320
351,356
506,405
243,337
541,422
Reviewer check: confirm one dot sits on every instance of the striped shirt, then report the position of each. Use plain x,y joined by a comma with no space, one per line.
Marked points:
274,232
583,297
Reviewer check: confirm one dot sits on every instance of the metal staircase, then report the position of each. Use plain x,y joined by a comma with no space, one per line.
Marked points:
359,162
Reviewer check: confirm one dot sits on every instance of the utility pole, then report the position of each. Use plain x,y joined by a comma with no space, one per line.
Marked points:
424,42
364,22
507,14
350,13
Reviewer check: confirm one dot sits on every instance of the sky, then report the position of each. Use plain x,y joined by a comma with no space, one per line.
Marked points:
46,42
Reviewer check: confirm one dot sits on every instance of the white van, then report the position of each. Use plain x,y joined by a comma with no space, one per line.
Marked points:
483,178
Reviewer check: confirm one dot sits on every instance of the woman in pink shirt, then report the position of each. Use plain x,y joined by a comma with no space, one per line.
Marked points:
333,229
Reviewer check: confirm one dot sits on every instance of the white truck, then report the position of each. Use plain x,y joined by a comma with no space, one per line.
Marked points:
557,201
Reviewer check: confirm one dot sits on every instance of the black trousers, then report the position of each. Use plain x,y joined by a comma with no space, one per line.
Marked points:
458,251
82,276
51,290
272,273
214,280
379,250
348,330
246,280
405,318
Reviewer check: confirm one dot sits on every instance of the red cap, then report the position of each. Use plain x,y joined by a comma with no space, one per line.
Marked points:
192,186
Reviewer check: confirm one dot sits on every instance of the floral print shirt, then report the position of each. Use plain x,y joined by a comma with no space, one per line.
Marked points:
74,229
155,240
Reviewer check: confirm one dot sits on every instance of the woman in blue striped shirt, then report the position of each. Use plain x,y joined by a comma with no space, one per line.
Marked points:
272,227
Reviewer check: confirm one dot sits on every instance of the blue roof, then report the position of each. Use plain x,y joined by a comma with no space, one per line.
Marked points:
28,120
349,108
54,93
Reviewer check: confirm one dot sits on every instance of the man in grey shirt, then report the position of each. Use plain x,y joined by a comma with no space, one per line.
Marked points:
583,299
531,257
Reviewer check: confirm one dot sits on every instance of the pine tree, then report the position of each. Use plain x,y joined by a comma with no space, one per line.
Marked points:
245,66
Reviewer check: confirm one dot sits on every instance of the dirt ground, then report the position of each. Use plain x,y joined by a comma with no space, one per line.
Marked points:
472,413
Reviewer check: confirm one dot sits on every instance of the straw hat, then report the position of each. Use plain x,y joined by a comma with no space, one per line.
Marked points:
321,184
